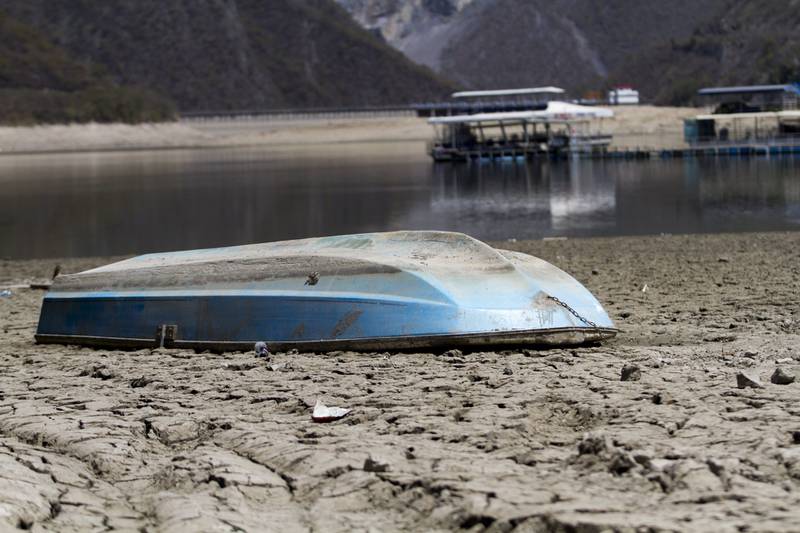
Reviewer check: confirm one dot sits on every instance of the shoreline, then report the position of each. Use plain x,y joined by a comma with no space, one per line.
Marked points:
547,440
634,126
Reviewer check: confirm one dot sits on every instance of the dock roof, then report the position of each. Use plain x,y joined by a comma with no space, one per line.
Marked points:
789,115
508,92
555,112
749,89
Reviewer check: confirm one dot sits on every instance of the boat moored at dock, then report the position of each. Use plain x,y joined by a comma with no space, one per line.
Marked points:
560,128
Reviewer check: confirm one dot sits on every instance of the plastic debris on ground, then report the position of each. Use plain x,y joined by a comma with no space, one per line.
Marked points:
323,413
261,349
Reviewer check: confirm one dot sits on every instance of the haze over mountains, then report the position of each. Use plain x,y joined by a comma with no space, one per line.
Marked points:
666,48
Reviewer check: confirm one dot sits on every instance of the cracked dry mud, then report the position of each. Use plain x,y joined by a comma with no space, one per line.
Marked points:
552,440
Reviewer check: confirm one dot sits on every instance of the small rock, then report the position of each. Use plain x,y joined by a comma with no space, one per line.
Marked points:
782,377
724,259
621,462
595,272
102,373
507,371
658,398
630,373
374,466
744,380
594,444
750,355
453,353
625,314
140,382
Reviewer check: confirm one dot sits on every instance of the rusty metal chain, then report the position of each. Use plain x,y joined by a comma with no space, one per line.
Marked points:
573,312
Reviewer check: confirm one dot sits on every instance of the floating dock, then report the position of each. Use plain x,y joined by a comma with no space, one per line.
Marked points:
638,153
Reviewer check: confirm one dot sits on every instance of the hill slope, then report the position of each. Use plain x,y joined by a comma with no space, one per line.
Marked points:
506,43
40,82
753,42
234,54
667,49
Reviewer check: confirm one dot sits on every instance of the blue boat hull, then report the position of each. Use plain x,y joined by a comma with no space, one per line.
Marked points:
397,304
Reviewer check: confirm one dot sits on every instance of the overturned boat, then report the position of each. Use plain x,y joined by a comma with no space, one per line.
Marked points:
400,290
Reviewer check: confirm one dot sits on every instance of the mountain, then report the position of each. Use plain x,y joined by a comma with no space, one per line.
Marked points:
752,42
40,82
666,49
507,43
233,54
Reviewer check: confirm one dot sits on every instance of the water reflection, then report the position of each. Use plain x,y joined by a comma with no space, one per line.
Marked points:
109,204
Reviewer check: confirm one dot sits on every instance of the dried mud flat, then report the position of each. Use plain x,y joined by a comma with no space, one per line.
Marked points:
518,440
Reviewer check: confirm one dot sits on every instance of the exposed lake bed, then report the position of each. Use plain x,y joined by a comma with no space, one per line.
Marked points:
542,440
535,439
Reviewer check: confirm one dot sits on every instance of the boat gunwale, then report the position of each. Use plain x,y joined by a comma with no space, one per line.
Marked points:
572,336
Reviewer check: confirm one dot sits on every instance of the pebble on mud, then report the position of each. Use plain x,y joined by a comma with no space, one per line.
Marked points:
102,373
782,377
744,380
371,465
630,373
140,382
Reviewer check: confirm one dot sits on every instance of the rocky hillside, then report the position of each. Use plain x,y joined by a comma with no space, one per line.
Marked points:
667,49
505,43
755,41
233,54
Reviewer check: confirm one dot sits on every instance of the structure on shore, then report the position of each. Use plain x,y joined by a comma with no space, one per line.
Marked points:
558,128
758,119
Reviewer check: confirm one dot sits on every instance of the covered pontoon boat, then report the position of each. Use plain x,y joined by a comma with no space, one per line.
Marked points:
560,128
364,292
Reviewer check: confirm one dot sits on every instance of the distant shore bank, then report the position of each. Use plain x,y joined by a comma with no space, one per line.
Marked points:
654,127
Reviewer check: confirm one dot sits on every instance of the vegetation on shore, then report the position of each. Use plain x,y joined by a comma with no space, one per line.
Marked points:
41,83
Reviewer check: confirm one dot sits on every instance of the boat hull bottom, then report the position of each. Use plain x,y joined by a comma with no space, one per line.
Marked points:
528,338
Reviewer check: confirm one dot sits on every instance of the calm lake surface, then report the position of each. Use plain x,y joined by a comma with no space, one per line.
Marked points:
102,204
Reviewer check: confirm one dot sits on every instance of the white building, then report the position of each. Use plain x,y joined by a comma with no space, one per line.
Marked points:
623,96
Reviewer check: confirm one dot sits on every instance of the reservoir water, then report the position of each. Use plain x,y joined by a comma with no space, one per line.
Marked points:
100,204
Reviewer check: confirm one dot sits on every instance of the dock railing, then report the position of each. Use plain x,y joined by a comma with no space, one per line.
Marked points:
788,139
299,114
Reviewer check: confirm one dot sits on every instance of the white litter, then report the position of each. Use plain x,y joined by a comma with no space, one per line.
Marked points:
323,413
